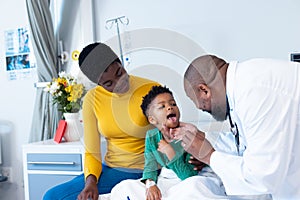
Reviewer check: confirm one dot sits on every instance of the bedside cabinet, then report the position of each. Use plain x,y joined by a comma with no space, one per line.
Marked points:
47,164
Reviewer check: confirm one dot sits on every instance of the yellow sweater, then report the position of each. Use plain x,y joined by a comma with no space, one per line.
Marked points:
119,118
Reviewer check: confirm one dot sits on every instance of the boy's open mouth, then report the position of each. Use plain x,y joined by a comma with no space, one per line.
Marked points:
172,117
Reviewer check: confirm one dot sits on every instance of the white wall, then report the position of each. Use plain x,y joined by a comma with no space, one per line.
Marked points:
17,97
232,29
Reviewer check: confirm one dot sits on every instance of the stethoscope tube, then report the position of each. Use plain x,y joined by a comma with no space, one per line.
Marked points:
234,129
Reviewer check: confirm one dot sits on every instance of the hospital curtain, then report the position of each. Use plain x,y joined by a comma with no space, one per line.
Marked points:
45,115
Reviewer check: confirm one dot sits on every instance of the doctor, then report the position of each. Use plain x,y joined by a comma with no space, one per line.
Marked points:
261,99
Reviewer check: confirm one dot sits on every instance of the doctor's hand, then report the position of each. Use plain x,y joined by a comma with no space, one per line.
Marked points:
194,142
182,129
90,191
170,132
198,165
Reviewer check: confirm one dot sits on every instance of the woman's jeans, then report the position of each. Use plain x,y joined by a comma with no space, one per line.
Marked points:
108,179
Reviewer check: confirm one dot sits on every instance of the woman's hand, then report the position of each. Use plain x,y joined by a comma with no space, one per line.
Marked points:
153,193
90,190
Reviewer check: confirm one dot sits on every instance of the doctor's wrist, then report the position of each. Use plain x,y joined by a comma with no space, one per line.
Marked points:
206,159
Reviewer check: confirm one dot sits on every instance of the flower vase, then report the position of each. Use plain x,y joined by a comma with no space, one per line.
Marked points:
74,129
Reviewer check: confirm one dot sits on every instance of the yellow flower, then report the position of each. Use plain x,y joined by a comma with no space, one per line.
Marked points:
69,89
66,92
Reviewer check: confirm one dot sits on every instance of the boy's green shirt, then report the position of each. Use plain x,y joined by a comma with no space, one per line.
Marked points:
155,160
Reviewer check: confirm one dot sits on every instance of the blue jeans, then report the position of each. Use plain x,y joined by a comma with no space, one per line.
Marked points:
108,179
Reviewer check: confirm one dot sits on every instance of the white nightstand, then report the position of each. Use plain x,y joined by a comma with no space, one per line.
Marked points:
47,164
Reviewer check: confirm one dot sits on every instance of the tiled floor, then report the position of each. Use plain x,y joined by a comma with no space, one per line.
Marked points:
9,191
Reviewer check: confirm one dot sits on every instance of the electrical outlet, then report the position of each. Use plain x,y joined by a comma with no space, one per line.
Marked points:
295,57
7,171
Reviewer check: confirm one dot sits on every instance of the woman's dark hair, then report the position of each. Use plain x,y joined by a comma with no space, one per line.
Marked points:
86,50
95,58
148,98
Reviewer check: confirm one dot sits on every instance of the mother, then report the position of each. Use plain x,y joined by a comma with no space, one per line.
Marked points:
110,109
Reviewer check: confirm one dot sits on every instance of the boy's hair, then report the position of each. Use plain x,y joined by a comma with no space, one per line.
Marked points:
148,98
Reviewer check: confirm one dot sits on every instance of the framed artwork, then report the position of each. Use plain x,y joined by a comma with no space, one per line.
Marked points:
20,61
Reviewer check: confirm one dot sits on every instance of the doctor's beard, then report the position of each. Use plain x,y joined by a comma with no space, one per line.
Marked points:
218,113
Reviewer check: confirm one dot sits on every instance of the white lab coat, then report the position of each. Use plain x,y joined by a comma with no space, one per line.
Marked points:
263,95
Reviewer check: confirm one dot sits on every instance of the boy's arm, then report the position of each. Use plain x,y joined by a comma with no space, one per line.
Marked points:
178,160
151,165
166,149
181,167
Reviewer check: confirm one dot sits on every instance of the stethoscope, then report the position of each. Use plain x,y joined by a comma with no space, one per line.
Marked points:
234,129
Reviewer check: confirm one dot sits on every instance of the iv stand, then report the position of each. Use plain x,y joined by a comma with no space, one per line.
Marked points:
109,24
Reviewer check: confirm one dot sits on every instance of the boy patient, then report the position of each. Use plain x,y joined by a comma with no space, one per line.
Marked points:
163,155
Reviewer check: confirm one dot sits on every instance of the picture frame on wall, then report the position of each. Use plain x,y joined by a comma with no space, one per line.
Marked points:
20,62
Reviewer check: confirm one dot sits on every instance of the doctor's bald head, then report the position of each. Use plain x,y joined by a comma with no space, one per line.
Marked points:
204,84
203,69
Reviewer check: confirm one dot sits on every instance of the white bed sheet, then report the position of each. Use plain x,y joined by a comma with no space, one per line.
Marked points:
104,197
